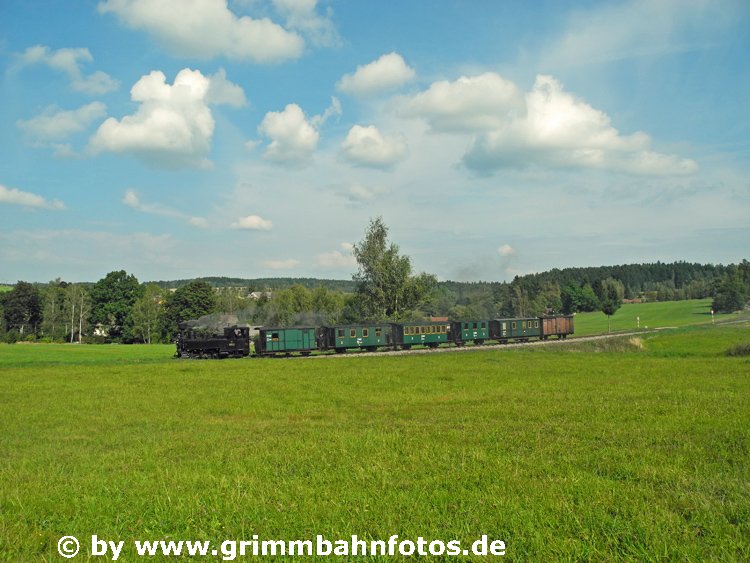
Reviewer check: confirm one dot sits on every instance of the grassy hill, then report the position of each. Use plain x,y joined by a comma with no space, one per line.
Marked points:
652,315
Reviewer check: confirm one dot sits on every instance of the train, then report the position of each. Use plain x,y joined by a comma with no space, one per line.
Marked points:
235,341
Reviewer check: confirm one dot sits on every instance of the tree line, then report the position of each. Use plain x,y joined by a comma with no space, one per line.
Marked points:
118,308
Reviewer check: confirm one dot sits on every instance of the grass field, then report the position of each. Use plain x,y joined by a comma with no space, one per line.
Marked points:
638,449
652,315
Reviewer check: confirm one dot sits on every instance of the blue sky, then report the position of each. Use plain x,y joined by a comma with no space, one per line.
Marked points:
252,138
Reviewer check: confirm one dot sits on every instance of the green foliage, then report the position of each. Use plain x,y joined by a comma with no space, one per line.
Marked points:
191,301
77,308
610,293
578,299
732,291
386,287
22,308
112,299
53,297
147,316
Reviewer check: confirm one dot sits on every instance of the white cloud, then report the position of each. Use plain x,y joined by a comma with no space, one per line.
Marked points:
13,196
132,200
70,61
359,193
281,264
559,130
207,29
506,250
293,138
55,123
366,146
387,73
301,15
471,103
338,258
545,127
334,110
222,91
173,125
252,223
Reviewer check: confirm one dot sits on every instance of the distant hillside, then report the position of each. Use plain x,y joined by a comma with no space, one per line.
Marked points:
635,277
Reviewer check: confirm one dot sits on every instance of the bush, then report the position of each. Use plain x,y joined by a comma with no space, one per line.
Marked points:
739,350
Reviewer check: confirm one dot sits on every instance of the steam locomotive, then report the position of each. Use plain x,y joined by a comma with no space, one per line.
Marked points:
287,341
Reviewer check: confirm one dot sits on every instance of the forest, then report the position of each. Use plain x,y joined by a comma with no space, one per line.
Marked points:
120,308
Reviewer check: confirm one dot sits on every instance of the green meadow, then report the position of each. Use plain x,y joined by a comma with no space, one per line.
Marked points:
667,314
635,448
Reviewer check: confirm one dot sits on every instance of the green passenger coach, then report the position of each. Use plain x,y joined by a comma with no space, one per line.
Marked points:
366,336
470,331
431,334
516,329
280,340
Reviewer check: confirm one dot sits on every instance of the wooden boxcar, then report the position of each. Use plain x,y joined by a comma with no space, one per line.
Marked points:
278,340
557,326
367,336
427,333
470,331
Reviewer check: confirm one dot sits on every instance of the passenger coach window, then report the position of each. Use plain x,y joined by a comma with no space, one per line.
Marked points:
513,324
341,333
484,325
365,332
353,333
378,332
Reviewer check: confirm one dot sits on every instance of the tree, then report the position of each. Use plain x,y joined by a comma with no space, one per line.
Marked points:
577,299
23,308
112,299
611,292
731,293
386,288
190,301
519,297
77,308
230,299
147,316
53,314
